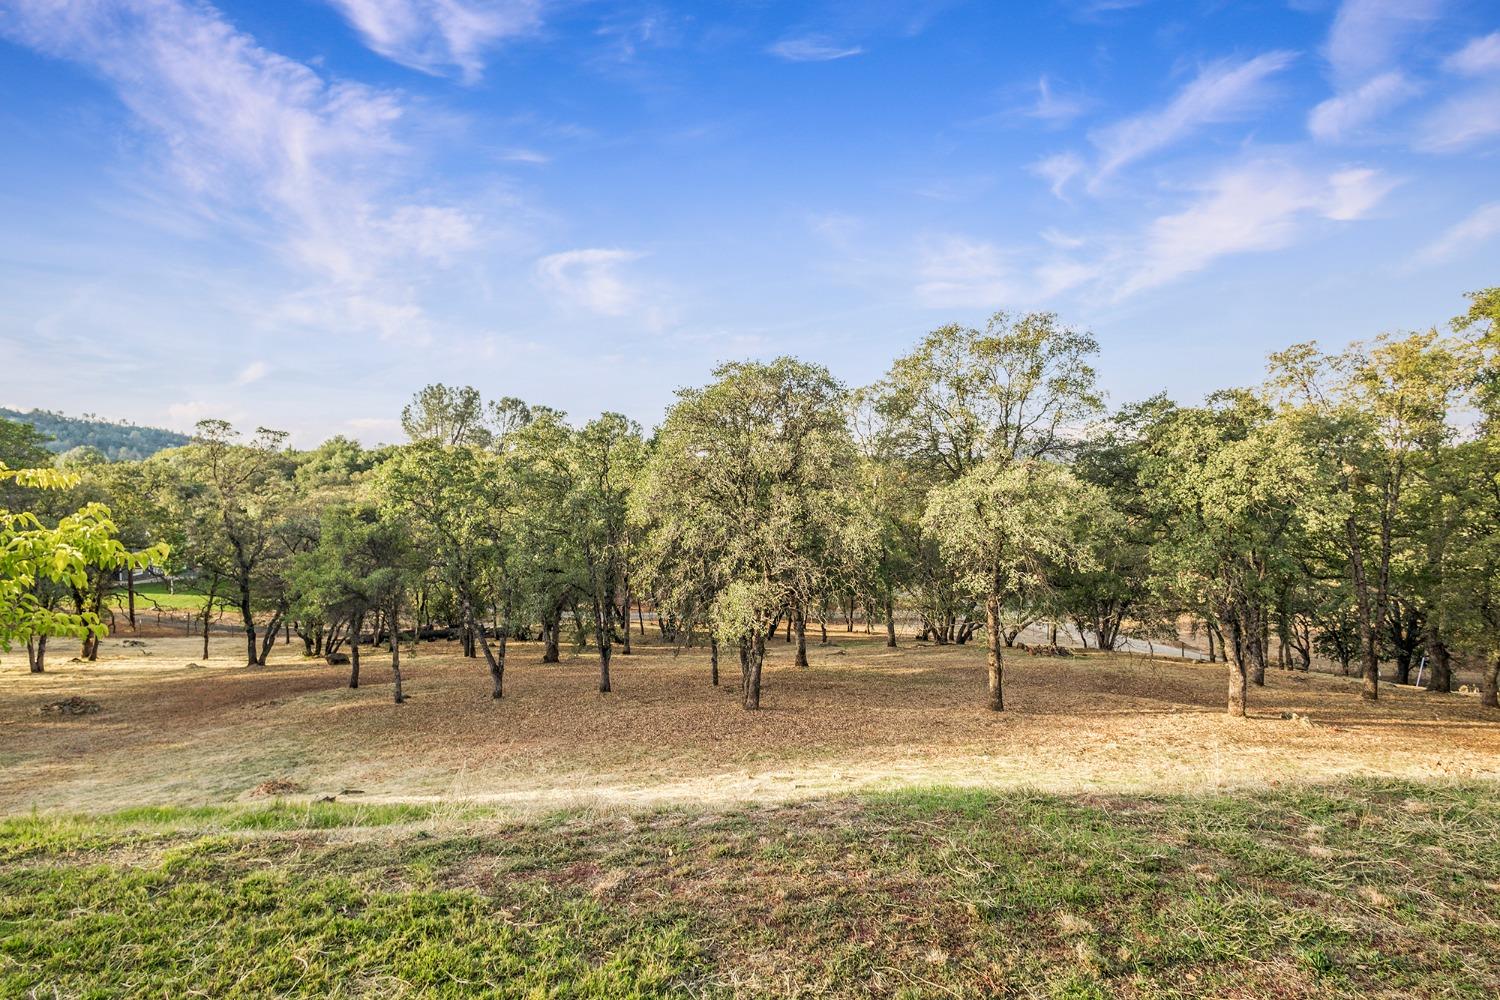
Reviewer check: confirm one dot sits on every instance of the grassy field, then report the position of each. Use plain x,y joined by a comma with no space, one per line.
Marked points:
871,832
1358,890
153,595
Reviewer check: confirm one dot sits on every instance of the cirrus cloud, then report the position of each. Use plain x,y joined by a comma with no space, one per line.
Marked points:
591,278
435,35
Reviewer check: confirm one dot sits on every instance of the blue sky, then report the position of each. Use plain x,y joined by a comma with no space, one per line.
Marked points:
295,214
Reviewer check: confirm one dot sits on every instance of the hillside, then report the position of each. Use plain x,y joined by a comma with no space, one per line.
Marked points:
118,440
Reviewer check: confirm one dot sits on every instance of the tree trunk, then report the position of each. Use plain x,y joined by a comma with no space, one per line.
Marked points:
1439,664
396,650
497,667
890,620
550,639
801,637
36,654
251,650
1369,654
996,661
1238,677
130,591
356,624
1490,682
604,625
1256,641
268,641
713,661
1403,666
605,648
625,627
754,657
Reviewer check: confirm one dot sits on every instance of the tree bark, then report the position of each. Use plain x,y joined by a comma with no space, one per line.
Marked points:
130,591
625,627
1490,682
356,625
550,633
497,667
396,650
604,613
995,660
801,637
248,616
36,654
1369,654
754,657
890,620
1256,641
1439,664
1238,678
269,640
713,661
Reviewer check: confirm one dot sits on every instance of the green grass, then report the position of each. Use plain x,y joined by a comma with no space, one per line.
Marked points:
1368,889
158,594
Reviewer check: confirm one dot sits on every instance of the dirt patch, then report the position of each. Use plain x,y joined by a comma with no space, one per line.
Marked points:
278,786
187,730
70,706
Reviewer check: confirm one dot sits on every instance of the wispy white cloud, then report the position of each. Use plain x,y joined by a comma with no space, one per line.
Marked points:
1347,112
1480,57
530,156
813,48
1062,240
253,372
1366,35
958,272
435,36
1263,205
1461,121
591,279
1053,108
263,146
1222,91
1364,44
1479,228
1057,170
1471,114
185,414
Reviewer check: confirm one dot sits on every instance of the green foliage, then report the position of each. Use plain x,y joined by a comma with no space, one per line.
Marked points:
34,554
750,473
1007,527
22,446
1018,390
117,441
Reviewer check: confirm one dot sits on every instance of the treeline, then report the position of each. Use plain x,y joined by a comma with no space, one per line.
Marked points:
1346,506
117,441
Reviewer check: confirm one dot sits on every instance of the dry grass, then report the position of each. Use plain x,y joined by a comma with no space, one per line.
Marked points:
862,717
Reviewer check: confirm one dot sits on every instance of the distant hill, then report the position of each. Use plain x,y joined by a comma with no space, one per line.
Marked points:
117,440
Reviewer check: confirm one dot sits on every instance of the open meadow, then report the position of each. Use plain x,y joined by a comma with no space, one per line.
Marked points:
750,501
872,831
